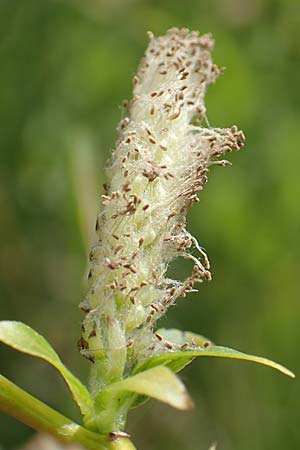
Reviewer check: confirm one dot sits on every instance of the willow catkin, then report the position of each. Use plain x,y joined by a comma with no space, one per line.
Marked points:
160,163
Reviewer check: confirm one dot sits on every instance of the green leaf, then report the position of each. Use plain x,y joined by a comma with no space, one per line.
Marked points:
178,358
24,339
178,337
159,383
18,403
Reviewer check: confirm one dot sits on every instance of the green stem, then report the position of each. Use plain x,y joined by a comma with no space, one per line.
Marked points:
34,413
122,444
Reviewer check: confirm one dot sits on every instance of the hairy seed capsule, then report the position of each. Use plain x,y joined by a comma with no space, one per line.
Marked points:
160,163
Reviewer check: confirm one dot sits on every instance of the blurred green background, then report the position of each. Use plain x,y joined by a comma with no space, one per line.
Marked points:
65,68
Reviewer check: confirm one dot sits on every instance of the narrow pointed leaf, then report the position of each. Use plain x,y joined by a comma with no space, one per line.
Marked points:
24,339
159,383
178,358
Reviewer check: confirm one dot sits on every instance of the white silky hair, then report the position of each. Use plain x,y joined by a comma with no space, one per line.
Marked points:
160,163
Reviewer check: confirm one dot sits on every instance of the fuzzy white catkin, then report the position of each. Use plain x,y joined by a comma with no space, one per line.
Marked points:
160,162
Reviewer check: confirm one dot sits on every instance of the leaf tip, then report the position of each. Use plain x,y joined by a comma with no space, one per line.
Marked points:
188,402
289,373
184,402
